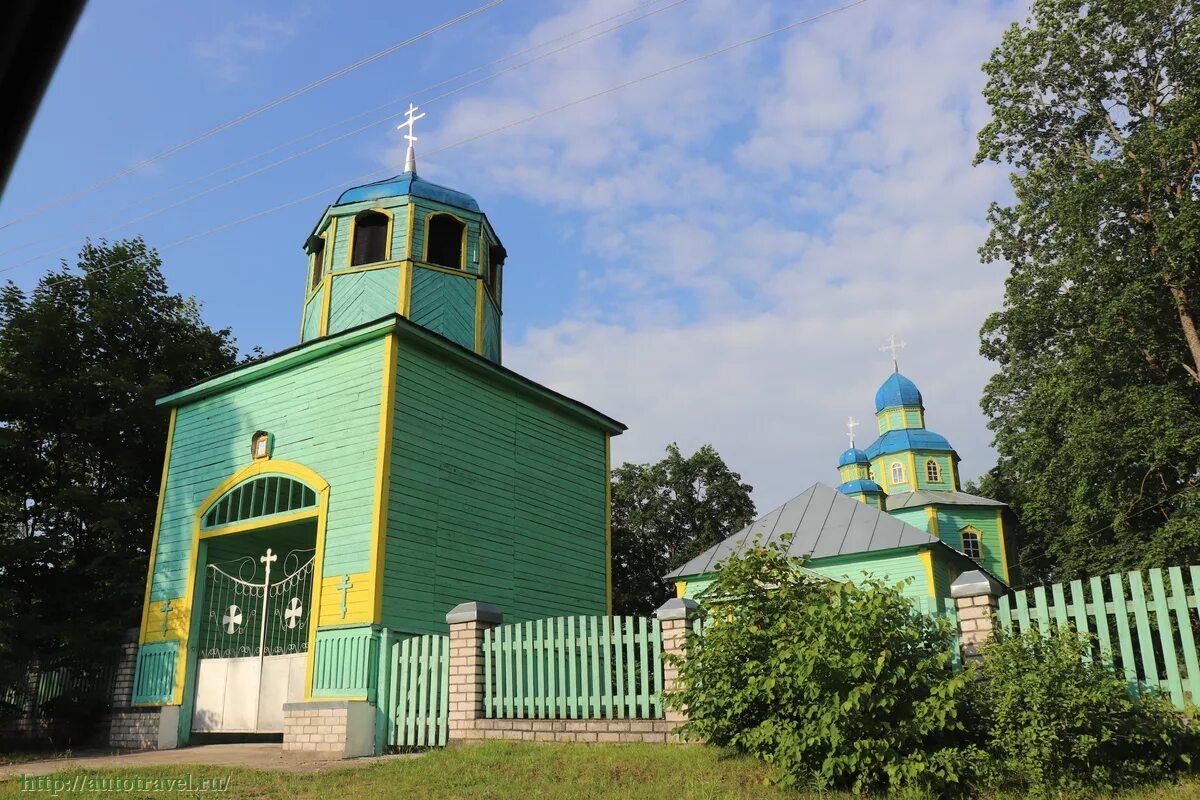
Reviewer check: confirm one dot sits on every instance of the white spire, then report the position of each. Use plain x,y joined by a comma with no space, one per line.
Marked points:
410,158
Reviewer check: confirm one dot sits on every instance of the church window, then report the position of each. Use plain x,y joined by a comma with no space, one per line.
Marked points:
897,472
444,238
972,545
369,238
318,261
933,472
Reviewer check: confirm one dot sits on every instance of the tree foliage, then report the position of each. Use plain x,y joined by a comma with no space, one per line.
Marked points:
82,359
1053,721
1096,107
838,685
663,514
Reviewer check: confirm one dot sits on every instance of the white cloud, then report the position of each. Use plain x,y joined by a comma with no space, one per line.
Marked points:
758,223
231,52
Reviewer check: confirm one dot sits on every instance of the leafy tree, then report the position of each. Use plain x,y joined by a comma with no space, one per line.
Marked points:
666,513
82,359
838,685
1096,107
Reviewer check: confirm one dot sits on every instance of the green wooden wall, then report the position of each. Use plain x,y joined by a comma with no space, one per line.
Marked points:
495,497
424,208
491,331
324,414
311,326
944,465
359,297
952,519
444,304
891,566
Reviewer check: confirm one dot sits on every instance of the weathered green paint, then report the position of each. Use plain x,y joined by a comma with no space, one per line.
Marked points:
944,471
359,297
496,496
154,675
1118,610
890,566
417,699
491,330
551,669
444,304
951,521
346,661
917,517
323,414
310,328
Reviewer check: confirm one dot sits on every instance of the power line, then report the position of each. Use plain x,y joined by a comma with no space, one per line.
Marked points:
373,123
366,177
224,126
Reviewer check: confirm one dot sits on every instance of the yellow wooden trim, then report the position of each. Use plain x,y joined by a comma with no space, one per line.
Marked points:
327,282
326,258
261,467
608,593
927,560
318,594
462,252
360,601
680,588
406,278
458,273
412,212
913,476
249,525
383,474
162,493
931,512
479,316
375,265
1003,546
387,242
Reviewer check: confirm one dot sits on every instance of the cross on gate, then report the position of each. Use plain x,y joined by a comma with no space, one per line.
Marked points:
293,612
166,612
343,587
232,619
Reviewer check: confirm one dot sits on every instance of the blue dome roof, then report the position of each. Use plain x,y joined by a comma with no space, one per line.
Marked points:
897,390
408,183
853,456
860,487
908,439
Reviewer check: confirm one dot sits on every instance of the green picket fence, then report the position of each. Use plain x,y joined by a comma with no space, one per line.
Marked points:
1144,624
418,692
574,668
71,683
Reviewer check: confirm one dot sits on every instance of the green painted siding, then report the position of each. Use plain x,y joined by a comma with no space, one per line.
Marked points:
346,661
444,304
360,297
491,331
913,516
943,462
890,566
311,327
494,497
952,519
324,414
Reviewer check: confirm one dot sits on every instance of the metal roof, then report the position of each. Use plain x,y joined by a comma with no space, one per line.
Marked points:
897,390
900,441
824,522
405,184
926,497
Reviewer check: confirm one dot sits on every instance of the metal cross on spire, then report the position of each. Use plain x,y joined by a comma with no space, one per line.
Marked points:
893,346
410,117
851,424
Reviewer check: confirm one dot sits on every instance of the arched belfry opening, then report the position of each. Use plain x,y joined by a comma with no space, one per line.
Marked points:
370,238
446,238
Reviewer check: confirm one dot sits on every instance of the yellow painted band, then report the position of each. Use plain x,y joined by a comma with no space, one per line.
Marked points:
1003,546
162,493
383,472
927,560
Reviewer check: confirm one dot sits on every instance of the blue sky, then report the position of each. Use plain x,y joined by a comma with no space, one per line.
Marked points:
712,255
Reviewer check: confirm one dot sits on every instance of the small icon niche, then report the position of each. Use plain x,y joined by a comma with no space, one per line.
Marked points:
260,445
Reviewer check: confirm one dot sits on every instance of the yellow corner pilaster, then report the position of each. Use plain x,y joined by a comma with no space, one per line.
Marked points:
162,493
680,588
1003,545
931,512
383,472
927,560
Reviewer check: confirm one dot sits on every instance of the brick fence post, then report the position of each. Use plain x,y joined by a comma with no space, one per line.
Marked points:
675,617
467,623
976,598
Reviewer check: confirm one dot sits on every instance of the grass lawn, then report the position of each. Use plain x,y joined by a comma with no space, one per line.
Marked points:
513,770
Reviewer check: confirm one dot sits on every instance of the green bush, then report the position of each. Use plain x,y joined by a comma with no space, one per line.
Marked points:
1051,721
837,685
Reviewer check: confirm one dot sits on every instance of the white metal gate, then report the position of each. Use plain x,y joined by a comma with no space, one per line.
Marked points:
253,644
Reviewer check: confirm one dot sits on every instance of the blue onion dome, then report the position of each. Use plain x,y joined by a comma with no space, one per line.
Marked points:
860,486
408,183
897,390
853,456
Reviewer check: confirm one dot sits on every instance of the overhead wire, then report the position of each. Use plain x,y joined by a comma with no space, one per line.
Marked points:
238,120
381,172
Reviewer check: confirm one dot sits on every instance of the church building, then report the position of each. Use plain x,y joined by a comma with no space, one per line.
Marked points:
382,471
899,513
